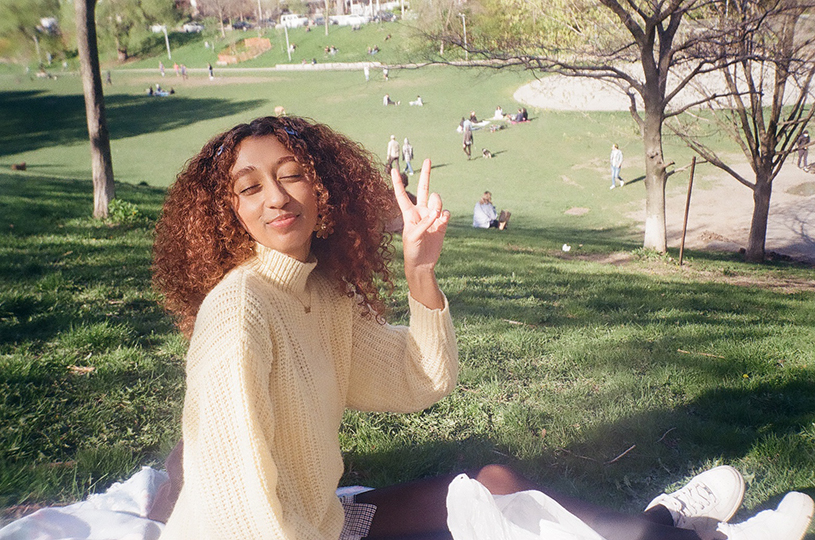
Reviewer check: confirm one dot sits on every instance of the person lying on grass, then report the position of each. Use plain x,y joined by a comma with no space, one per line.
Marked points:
269,251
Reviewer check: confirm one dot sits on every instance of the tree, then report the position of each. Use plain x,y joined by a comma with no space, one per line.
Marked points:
651,50
101,160
126,22
767,103
438,18
217,9
21,23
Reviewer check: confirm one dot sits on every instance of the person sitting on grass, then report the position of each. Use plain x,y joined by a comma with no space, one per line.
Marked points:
485,216
271,251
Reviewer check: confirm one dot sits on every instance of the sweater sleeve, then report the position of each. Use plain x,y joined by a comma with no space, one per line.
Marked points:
230,477
400,368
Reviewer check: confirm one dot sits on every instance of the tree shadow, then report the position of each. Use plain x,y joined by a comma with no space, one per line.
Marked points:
36,119
634,180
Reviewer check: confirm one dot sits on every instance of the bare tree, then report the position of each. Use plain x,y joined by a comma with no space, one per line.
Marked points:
215,8
768,99
437,18
101,161
650,50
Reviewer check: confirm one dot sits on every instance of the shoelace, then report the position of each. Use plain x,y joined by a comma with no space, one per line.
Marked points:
696,498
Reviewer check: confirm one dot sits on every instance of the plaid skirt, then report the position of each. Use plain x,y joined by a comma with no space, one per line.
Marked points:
358,518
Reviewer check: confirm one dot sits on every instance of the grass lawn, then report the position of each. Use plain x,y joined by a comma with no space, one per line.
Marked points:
567,362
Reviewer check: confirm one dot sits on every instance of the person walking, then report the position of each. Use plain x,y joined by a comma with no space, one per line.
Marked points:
407,155
393,154
803,150
616,163
467,137
211,72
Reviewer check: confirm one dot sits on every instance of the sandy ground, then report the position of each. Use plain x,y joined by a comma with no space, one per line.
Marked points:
721,208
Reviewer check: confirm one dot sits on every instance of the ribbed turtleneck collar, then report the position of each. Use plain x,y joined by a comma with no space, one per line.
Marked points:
286,272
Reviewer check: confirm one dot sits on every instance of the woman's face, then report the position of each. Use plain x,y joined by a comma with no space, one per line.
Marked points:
274,200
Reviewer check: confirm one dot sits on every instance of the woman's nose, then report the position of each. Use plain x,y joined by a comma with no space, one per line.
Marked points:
275,195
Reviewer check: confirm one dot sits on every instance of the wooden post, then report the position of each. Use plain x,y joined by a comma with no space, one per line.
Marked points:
687,209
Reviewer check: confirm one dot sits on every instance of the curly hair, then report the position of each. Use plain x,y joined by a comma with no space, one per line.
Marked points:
199,238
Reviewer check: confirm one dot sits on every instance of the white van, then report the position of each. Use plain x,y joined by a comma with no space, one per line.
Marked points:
292,20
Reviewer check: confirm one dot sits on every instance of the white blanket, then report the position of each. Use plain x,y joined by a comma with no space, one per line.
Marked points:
473,513
120,513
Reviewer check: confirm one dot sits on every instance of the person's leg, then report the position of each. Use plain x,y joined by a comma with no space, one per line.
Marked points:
418,510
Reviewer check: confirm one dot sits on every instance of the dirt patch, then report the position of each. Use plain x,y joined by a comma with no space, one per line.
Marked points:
721,212
618,258
576,211
569,182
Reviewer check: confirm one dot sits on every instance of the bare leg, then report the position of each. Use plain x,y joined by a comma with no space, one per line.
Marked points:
418,511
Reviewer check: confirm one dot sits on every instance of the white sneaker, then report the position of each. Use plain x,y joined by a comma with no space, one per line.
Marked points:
787,522
706,500
613,186
622,183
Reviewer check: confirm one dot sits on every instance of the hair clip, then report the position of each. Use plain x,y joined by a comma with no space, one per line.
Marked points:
291,132
219,151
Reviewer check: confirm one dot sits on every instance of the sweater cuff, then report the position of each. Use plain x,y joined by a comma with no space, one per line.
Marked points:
421,314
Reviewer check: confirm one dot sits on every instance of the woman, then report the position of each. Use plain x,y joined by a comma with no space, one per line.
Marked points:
485,216
267,251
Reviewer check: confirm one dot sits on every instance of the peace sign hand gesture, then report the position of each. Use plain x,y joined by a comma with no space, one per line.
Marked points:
422,237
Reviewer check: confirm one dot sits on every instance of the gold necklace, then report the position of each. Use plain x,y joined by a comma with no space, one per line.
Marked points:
304,298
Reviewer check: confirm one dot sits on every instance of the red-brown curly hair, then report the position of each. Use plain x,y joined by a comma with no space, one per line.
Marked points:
199,238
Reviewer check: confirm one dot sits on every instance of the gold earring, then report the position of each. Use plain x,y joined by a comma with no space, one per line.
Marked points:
324,226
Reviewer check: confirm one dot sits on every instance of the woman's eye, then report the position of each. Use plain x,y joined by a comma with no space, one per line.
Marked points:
289,177
248,190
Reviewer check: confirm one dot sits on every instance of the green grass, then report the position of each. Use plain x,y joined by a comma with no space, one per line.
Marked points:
566,362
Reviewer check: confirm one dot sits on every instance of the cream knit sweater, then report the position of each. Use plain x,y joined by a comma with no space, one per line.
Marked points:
276,356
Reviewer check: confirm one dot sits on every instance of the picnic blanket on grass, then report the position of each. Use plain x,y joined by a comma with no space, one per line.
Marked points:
120,513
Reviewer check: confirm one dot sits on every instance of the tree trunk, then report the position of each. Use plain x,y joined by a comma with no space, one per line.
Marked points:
761,213
101,161
655,179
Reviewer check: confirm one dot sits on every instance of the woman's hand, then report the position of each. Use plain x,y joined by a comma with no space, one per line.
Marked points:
422,237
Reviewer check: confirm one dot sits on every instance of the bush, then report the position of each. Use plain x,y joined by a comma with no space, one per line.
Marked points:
124,213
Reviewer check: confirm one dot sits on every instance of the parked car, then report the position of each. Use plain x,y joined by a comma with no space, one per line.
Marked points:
348,20
292,20
241,25
384,16
193,27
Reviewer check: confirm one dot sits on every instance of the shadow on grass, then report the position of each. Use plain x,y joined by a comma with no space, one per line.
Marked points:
49,257
34,119
33,205
665,446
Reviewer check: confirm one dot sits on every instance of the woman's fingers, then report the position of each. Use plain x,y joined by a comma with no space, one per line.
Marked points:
434,203
405,205
423,190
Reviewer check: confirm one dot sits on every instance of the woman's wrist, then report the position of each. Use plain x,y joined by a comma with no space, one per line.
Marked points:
424,288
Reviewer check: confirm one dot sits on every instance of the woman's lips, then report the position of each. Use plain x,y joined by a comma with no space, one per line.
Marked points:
283,221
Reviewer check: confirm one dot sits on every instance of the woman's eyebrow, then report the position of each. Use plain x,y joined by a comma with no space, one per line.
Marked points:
242,172
251,168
